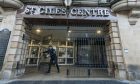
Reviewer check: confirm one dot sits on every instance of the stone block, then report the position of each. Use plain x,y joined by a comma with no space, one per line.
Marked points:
112,46
20,45
115,40
121,66
19,21
17,38
118,52
132,2
109,59
19,51
122,75
17,58
114,29
115,34
119,59
11,58
117,46
6,74
12,50
14,44
113,24
114,59
9,65
18,27
8,22
18,33
113,52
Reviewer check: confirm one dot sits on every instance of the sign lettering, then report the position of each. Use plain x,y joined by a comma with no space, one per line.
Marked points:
101,13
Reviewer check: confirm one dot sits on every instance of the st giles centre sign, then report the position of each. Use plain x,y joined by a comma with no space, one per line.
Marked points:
73,13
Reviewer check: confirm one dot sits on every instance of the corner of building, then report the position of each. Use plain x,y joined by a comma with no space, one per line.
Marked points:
129,27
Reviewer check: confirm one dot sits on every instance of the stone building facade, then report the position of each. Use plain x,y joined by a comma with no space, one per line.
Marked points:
123,27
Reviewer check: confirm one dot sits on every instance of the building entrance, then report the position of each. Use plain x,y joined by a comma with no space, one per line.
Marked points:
91,49
80,47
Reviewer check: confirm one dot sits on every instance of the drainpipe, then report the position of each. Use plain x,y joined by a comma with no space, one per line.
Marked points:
11,3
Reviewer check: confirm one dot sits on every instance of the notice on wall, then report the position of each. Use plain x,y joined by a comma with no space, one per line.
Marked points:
126,50
99,13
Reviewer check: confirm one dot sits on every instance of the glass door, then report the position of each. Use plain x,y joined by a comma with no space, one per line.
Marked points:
65,54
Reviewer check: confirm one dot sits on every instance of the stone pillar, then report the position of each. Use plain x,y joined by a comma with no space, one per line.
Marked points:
1,17
15,52
117,53
1,10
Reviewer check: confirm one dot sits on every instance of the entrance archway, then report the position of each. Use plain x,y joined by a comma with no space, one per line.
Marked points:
82,48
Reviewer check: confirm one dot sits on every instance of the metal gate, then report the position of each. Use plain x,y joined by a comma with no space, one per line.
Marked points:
90,55
84,50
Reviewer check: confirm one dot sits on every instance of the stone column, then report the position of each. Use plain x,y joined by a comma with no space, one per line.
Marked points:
1,10
116,49
1,17
108,52
15,52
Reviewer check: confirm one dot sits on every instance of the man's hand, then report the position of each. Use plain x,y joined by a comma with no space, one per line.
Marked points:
48,55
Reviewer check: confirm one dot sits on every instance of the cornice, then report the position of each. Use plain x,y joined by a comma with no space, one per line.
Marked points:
11,3
125,5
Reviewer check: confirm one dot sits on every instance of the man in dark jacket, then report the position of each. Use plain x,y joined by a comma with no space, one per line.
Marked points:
53,58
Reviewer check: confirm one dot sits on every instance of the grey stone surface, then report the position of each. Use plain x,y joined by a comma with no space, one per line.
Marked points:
69,82
3,82
135,82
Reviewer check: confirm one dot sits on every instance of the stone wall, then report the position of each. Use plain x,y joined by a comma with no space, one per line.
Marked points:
1,18
16,52
116,51
129,44
16,47
130,37
8,22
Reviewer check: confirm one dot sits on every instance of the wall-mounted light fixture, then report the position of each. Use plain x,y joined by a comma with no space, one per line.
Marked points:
67,2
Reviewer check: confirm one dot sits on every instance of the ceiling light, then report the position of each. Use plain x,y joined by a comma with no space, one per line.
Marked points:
38,30
99,32
69,31
68,39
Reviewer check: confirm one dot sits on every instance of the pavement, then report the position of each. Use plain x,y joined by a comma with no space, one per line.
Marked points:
39,82
3,82
135,82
